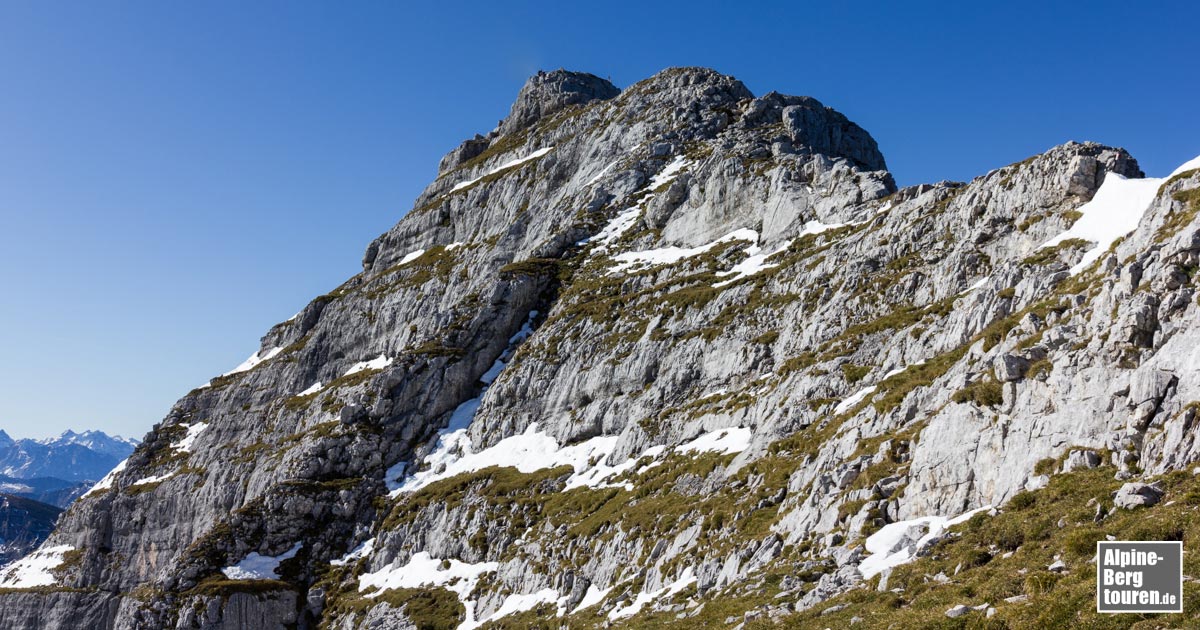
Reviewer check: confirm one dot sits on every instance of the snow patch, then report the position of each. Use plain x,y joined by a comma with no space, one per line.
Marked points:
592,597
193,431
687,577
106,482
364,549
514,604
527,452
854,399
615,228
253,361
184,445
816,227
411,256
259,567
1113,212
507,165
756,258
755,262
534,450
378,363
422,570
626,219
596,476
394,475
453,443
35,569
600,174
312,389
897,543
153,479
978,285
900,369
672,254
724,441
669,172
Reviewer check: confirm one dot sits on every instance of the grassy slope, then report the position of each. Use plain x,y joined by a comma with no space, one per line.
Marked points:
1029,528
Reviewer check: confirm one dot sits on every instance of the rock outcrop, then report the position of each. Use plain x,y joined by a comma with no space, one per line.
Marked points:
665,351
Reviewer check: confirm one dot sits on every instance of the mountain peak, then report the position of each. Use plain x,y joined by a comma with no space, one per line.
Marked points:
680,341
547,92
677,77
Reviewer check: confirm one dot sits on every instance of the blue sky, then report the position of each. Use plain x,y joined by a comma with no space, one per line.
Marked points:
175,178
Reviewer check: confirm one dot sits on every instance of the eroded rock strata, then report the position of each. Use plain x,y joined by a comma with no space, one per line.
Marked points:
666,354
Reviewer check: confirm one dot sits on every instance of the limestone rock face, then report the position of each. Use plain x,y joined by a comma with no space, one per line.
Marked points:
548,92
635,351
545,93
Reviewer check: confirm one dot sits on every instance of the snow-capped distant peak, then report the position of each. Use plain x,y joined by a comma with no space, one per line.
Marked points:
98,441
95,440
71,456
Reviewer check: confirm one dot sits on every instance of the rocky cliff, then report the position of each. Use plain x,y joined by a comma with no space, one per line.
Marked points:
663,355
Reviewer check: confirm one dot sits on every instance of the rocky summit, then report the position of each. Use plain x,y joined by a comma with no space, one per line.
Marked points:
677,355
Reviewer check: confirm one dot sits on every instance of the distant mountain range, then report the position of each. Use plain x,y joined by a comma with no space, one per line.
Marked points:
51,490
57,470
39,478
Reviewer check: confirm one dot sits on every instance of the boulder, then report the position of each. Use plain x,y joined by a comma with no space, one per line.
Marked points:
1081,460
1134,494
1010,367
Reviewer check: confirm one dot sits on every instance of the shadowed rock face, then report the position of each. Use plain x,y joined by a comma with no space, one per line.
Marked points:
24,524
667,341
821,129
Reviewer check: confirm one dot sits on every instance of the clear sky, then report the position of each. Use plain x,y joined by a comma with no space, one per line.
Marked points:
177,177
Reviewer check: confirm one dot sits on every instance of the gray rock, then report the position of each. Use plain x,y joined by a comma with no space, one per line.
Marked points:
846,555
1132,495
888,485
548,92
958,611
654,356
1010,367
1080,460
